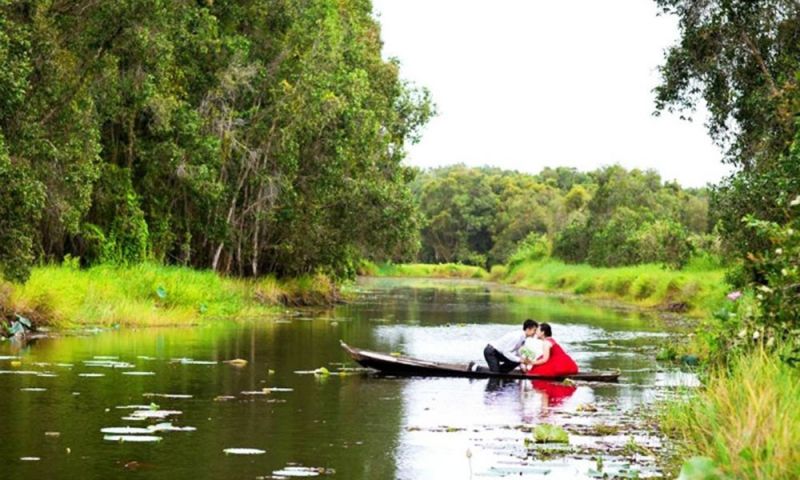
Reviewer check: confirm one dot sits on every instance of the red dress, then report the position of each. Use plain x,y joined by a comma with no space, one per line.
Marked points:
557,365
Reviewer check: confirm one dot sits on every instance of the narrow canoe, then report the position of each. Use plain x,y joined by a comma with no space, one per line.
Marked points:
406,366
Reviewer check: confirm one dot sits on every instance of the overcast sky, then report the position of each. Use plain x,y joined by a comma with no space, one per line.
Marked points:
524,84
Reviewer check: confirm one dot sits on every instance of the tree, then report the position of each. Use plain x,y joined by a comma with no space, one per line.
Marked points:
741,57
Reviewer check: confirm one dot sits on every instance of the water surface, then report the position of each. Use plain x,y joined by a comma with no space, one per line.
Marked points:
356,426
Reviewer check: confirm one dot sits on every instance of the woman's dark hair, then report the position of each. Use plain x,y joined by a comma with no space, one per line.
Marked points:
545,328
529,324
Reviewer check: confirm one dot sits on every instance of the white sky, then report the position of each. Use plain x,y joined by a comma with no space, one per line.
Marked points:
524,84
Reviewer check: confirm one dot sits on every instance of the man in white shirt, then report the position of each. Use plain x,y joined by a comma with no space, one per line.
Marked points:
502,355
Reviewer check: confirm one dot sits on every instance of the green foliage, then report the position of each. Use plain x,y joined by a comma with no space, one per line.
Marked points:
770,270
608,217
700,468
249,137
745,419
152,295
695,293
21,197
547,433
533,248
742,59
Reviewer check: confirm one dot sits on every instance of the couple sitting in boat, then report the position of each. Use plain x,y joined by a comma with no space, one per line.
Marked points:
533,350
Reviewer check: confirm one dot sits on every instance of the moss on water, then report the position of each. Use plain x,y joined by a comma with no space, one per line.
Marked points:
152,295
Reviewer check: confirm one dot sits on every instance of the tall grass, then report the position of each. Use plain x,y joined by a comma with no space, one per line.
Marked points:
696,291
746,419
440,270
152,295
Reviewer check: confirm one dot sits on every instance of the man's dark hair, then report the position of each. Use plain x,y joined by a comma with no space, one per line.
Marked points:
545,328
529,324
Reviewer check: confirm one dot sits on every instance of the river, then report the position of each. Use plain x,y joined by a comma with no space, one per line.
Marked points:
58,393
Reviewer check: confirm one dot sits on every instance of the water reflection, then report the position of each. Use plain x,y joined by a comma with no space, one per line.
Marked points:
363,427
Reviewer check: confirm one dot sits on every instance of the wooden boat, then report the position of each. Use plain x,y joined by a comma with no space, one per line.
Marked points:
406,366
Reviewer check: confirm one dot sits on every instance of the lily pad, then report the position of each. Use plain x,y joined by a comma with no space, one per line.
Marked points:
296,471
546,433
176,396
191,361
139,374
244,451
169,427
132,438
33,389
155,413
125,430
29,459
91,375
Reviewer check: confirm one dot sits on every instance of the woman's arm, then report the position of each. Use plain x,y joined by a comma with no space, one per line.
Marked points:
545,354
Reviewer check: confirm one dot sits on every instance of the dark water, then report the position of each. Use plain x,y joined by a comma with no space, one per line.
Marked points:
358,426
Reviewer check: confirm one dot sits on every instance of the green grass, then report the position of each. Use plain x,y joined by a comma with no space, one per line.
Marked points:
423,270
151,295
746,419
694,291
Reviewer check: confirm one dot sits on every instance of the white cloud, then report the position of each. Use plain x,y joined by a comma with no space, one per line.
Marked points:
528,84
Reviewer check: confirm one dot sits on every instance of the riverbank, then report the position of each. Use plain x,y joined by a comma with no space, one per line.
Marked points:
743,423
695,291
422,270
151,295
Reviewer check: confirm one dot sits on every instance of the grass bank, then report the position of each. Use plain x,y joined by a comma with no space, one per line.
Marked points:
744,423
696,290
151,295
441,270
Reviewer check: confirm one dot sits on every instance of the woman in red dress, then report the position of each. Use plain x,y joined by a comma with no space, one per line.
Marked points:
554,361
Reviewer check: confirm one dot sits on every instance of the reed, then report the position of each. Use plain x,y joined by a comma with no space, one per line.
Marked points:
746,419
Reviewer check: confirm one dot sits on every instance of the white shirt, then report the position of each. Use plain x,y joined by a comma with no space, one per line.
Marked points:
509,344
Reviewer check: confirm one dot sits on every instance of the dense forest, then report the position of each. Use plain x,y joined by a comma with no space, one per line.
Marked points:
248,137
607,217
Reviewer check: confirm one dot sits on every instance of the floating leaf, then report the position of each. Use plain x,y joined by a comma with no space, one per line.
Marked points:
237,362
132,438
167,395
322,371
155,413
244,451
297,471
546,433
169,427
124,430
139,374
91,375
29,459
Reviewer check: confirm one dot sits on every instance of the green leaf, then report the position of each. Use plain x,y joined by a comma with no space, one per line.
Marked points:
700,468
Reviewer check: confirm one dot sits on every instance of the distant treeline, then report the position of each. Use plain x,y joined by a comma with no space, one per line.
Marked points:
606,217
249,137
